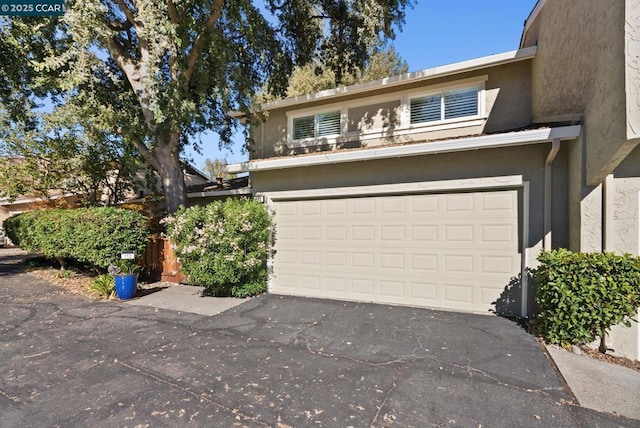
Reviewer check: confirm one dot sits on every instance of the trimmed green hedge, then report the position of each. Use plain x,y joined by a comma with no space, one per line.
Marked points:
91,235
223,246
583,295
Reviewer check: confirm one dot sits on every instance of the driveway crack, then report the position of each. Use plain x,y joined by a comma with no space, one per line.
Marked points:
175,385
470,370
394,385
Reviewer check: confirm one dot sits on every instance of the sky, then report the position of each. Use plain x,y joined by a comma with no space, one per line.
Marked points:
435,33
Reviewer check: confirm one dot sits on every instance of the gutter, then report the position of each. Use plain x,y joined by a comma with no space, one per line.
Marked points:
555,148
508,139
235,192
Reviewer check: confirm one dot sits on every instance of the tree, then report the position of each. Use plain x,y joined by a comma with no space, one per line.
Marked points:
95,167
215,168
316,76
157,74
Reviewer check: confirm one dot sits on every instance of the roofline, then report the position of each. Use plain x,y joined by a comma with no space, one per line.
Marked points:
403,79
196,170
507,139
18,201
531,18
232,192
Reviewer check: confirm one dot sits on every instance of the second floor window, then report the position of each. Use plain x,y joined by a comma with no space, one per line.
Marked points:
445,105
318,125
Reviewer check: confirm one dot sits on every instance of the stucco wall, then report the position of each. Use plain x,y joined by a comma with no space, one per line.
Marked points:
506,107
625,209
579,70
527,161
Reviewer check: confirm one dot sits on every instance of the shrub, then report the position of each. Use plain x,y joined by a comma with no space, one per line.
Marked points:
223,246
583,295
89,235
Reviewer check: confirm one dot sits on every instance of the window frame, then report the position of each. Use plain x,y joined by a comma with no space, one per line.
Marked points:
405,128
479,86
315,115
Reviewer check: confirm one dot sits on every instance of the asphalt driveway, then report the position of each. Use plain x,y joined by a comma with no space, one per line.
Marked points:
272,361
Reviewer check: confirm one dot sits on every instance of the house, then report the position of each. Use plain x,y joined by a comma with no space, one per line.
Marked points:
439,188
56,199
140,196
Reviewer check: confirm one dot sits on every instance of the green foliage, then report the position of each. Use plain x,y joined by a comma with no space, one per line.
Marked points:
91,235
125,267
317,76
156,75
223,246
66,274
103,286
582,295
94,167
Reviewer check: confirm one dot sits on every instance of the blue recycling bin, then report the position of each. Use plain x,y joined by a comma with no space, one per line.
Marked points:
126,285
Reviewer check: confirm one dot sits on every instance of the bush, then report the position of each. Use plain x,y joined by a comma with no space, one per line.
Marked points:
89,235
583,295
223,246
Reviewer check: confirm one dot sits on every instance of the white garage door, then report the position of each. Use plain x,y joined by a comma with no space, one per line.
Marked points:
454,251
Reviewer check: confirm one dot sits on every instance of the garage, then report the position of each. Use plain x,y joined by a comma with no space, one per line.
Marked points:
441,250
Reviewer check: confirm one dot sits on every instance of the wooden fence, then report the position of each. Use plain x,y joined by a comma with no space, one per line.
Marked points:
160,262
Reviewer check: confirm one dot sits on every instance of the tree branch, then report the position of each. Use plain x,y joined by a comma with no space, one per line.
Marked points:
127,12
202,39
173,12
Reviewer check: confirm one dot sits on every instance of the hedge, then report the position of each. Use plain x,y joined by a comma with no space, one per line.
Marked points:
223,246
95,236
583,295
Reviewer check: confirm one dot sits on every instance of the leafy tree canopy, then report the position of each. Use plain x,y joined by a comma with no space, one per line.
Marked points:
316,76
157,74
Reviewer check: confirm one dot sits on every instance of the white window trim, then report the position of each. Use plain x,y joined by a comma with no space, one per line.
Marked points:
405,127
405,121
314,141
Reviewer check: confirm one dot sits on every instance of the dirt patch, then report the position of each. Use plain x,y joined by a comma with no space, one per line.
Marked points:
68,282
594,353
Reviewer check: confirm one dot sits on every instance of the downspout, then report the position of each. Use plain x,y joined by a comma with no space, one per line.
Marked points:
546,242
607,213
555,148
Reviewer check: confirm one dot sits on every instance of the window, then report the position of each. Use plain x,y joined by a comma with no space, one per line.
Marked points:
319,125
445,105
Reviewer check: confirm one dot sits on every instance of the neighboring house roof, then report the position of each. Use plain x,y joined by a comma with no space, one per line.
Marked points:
53,195
234,186
192,170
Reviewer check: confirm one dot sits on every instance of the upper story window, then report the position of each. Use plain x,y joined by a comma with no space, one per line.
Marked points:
451,104
318,125
438,107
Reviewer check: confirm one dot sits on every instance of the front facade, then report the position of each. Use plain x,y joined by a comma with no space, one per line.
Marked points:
439,188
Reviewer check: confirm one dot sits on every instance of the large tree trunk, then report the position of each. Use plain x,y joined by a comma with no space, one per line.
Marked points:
171,174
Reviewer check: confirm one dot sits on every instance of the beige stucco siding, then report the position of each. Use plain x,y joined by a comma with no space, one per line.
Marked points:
374,120
579,70
377,116
624,212
527,161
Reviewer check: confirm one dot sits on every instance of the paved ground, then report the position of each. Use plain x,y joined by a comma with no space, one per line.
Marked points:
598,385
272,361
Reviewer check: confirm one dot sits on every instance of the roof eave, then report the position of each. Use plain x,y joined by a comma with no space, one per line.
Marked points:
214,193
408,78
508,139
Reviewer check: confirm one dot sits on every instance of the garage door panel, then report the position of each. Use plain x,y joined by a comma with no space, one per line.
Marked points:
454,251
